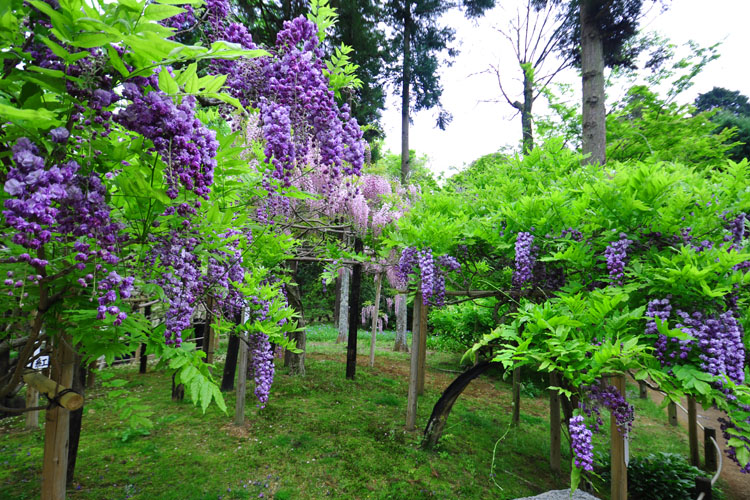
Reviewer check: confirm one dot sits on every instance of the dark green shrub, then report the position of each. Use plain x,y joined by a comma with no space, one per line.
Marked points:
657,476
457,327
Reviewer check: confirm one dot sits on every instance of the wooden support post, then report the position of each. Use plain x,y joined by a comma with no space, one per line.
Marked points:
516,417
695,454
703,485
642,390
56,427
354,305
144,356
208,332
422,348
239,409
32,417
411,401
709,449
376,312
672,413
554,424
619,472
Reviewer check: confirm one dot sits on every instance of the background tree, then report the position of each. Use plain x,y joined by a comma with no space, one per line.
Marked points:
732,114
595,35
419,39
534,35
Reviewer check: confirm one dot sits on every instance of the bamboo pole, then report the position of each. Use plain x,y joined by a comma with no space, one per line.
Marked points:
411,401
619,471
376,312
57,418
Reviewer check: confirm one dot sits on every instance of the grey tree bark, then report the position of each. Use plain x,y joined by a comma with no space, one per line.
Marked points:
594,140
296,361
344,274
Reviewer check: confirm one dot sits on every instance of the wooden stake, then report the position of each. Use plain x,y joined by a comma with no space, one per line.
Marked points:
376,312
239,409
619,472
208,335
695,454
642,390
411,401
516,418
32,417
422,348
55,467
709,449
554,424
672,413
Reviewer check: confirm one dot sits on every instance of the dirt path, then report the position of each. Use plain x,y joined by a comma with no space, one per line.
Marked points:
738,484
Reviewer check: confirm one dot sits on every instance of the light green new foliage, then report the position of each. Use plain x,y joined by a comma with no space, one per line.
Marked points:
572,317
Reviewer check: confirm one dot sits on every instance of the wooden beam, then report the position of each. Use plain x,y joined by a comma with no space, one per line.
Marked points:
70,400
516,417
32,400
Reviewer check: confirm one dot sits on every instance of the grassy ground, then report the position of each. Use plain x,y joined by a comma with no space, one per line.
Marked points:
321,436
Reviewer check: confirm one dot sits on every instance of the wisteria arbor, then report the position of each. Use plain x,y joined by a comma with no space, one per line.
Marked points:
639,269
129,178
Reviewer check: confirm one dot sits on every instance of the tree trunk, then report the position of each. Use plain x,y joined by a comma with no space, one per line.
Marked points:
443,407
528,101
239,409
594,138
351,347
296,361
144,356
406,77
343,306
400,345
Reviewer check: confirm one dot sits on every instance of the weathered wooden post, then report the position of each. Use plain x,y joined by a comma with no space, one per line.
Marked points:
57,418
554,424
208,332
642,390
619,471
143,355
703,485
239,408
376,312
516,416
709,449
672,413
423,308
695,454
343,318
411,401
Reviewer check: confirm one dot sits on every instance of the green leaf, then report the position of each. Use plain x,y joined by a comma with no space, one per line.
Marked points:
35,118
575,476
743,455
167,83
157,12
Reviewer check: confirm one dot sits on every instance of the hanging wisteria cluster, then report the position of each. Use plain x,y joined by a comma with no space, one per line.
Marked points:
525,258
431,272
580,443
617,255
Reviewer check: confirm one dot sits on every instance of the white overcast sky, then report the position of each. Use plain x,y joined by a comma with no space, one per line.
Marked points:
480,127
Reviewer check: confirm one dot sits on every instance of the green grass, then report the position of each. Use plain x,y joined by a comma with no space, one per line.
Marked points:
321,436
